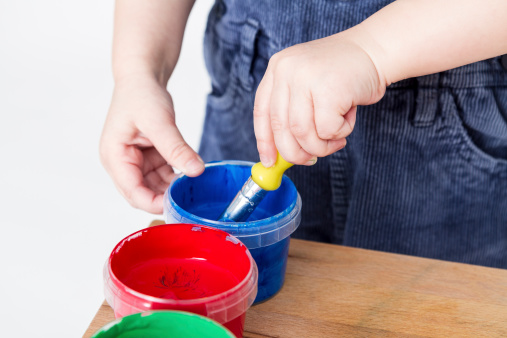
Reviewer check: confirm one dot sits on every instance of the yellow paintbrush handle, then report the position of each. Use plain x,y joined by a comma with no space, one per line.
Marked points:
270,178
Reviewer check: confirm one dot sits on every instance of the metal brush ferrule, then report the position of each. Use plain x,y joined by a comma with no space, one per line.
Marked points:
245,202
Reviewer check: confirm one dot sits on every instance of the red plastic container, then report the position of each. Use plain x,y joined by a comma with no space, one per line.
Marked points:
183,267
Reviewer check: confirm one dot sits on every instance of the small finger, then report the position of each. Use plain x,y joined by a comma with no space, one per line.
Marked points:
129,179
169,142
302,124
157,173
285,141
332,121
262,123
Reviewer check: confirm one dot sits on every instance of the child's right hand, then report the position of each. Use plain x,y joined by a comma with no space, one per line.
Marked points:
140,143
306,103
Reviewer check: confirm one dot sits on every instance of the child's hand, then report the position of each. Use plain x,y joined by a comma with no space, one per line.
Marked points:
141,144
306,103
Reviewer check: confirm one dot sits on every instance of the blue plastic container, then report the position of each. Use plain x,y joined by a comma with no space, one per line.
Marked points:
202,199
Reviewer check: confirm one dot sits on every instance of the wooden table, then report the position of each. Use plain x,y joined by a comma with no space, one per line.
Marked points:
336,291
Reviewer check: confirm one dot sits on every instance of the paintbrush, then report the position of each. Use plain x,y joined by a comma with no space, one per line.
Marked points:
261,181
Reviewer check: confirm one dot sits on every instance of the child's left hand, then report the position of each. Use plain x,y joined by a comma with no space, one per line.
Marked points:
306,103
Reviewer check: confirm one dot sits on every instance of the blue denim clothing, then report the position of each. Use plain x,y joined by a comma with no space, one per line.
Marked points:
425,170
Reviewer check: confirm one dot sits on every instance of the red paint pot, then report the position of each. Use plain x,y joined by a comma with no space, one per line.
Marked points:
183,267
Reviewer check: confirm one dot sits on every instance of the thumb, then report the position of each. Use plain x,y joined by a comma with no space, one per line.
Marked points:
169,142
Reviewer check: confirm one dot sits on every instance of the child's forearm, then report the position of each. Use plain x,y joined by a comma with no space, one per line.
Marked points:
148,36
418,37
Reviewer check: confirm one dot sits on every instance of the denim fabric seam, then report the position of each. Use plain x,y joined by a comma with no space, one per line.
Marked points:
247,51
232,35
238,45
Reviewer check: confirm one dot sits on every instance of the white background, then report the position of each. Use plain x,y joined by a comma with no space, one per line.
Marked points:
60,214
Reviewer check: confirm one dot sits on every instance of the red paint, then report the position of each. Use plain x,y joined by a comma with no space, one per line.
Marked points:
182,267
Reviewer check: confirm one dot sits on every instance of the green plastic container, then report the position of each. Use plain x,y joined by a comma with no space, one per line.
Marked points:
163,324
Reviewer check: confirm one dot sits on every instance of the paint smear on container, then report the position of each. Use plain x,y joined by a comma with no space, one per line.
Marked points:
179,278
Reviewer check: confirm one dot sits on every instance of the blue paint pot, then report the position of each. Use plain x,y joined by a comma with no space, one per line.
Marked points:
202,199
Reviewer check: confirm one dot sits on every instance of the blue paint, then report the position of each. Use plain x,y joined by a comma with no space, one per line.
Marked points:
273,260
202,199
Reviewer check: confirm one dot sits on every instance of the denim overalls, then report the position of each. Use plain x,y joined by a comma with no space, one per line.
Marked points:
425,170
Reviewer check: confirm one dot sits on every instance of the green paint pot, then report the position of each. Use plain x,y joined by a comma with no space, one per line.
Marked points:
162,324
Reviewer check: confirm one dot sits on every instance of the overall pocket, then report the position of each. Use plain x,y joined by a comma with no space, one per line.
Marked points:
477,120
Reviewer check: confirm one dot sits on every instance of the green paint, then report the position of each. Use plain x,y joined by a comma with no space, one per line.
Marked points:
162,324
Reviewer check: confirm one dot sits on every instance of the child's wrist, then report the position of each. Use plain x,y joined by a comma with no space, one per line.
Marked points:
360,36
138,69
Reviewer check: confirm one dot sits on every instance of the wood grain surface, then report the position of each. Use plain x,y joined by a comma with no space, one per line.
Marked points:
336,291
